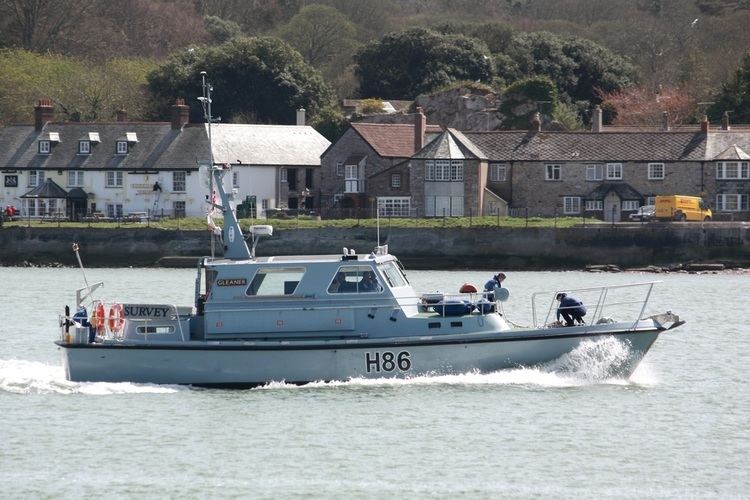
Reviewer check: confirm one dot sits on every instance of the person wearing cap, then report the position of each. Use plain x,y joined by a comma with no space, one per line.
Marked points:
571,309
495,282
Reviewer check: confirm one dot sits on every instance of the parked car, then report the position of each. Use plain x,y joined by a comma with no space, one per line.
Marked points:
644,213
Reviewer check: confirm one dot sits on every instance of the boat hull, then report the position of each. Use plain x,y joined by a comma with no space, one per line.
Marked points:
241,364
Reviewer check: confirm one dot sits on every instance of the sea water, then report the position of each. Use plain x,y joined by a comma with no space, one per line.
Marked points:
677,428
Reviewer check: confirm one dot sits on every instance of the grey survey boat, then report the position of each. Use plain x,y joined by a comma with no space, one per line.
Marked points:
299,319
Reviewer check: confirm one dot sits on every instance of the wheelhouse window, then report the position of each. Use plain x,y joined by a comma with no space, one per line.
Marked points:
355,279
553,172
572,204
84,147
655,171
275,281
114,179
393,275
732,170
122,147
178,182
498,172
594,172
44,147
614,171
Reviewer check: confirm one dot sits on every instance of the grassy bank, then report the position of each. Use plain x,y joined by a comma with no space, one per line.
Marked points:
199,223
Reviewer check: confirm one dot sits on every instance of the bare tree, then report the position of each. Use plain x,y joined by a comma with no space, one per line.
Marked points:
36,24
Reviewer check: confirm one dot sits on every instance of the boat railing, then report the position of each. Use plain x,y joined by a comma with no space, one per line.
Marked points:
604,304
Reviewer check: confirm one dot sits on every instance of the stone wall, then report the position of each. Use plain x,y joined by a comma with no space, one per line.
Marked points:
626,245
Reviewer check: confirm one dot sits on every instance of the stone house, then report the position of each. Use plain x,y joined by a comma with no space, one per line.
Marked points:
369,164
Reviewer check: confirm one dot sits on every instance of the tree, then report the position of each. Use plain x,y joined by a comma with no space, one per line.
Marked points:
80,90
577,66
222,30
524,98
406,64
319,33
261,79
640,106
35,25
734,95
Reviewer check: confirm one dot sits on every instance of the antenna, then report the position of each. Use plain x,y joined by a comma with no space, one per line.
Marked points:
205,101
377,211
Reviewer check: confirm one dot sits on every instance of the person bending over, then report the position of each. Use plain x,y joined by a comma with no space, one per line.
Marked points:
571,309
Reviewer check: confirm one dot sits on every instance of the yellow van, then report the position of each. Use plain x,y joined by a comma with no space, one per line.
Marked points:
681,208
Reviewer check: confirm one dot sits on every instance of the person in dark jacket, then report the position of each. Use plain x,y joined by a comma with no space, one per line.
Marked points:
495,282
571,309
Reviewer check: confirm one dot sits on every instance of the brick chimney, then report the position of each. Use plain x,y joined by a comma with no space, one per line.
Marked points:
180,114
665,121
725,121
122,115
596,119
301,117
536,122
44,112
420,124
704,124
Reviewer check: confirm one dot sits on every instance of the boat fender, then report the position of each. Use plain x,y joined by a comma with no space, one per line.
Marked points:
467,288
97,318
116,318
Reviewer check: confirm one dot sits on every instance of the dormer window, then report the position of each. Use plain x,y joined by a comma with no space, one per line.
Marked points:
44,147
84,147
122,147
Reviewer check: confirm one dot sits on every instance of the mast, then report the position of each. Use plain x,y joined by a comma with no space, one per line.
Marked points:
205,101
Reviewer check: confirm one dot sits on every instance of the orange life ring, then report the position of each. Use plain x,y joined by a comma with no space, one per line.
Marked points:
116,318
98,318
467,288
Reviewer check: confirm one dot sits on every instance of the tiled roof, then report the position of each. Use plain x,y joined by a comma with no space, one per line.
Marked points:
590,146
48,189
624,190
267,144
392,140
732,153
448,146
159,147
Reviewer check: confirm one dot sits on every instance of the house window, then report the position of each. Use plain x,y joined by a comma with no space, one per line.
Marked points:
122,147
44,147
732,170
614,171
178,181
114,179
339,169
650,200
114,210
442,170
630,205
444,206
655,171
429,170
264,204
309,178
84,147
179,209
594,172
291,179
394,206
592,205
571,204
351,179
235,179
36,177
732,202
498,172
457,170
553,172
282,174
395,181
75,178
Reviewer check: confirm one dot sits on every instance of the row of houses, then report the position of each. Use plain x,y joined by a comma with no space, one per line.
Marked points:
398,169
606,173
115,169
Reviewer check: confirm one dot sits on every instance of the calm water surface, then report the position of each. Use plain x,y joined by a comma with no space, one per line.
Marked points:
677,428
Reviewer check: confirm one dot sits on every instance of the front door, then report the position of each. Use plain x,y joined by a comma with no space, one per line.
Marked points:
612,204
